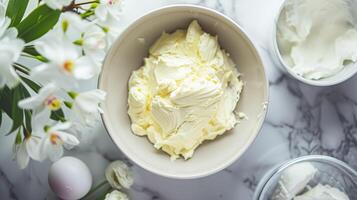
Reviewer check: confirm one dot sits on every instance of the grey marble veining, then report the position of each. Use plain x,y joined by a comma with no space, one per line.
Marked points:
301,120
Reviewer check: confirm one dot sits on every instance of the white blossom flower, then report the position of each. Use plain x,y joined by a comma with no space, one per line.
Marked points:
29,148
94,43
109,10
42,103
87,104
71,25
66,63
57,137
10,50
57,4
112,34
119,175
116,195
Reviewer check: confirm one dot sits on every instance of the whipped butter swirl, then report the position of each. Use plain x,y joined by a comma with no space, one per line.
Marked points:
185,93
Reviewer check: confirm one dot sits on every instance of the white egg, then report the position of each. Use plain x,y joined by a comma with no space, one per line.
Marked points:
70,178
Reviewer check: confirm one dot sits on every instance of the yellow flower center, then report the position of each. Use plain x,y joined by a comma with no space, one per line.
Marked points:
53,103
55,139
68,66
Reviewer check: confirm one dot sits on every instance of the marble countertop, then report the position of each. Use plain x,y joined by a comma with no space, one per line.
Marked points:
301,120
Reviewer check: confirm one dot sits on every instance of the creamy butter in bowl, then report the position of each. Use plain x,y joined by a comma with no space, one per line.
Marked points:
183,82
185,93
316,41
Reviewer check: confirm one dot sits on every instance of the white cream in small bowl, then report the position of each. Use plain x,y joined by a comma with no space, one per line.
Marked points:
316,41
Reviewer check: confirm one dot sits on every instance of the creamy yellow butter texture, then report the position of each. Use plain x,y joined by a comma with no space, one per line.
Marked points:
185,93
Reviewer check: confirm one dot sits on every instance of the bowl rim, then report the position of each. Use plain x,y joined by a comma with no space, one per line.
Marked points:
289,70
278,168
259,124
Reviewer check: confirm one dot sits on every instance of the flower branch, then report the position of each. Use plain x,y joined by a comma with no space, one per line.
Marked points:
68,42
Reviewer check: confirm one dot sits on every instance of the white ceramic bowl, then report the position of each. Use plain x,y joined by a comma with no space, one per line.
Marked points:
127,54
347,72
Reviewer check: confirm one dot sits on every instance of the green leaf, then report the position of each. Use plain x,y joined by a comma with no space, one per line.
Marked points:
15,10
1,111
28,116
30,49
58,115
27,113
38,23
18,139
5,100
8,103
17,114
34,86
1,117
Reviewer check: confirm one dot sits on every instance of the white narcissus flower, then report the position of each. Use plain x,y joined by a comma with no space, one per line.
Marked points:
66,63
29,148
10,50
87,104
94,43
42,103
119,175
71,25
57,4
57,137
116,195
109,10
112,34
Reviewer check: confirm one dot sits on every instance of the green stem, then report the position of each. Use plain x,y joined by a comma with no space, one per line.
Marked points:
84,3
87,14
92,191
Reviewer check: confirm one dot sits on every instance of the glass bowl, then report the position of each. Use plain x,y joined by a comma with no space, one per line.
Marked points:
330,171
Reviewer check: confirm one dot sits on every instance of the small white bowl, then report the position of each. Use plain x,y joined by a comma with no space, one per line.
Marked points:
127,54
347,72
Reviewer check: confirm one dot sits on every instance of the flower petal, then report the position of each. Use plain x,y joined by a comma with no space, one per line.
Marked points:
39,119
61,126
37,100
33,148
22,157
55,152
118,174
57,4
88,101
9,54
48,72
30,103
116,195
101,12
69,140
85,68
4,24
